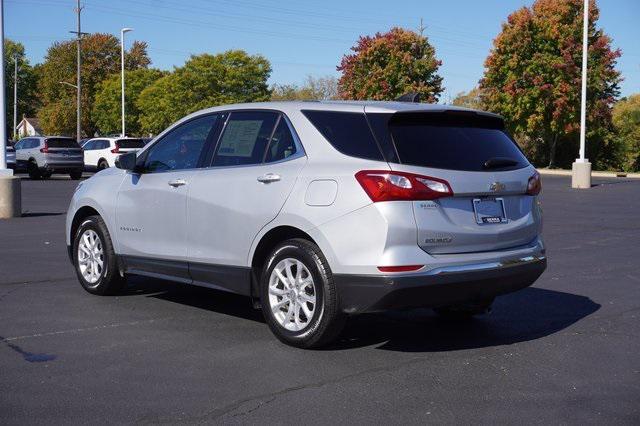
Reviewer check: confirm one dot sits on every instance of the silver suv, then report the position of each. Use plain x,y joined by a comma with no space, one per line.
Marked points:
41,156
319,210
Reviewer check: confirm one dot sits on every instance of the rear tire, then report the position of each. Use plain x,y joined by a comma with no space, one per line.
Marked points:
45,175
305,314
76,174
94,258
464,311
34,171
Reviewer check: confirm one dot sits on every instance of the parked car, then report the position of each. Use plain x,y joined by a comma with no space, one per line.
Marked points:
41,156
100,153
10,155
319,210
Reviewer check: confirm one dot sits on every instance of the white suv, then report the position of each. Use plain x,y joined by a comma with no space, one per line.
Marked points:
41,156
100,153
319,210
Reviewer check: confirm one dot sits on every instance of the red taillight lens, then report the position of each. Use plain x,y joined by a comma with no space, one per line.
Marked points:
45,148
404,268
386,185
116,149
534,186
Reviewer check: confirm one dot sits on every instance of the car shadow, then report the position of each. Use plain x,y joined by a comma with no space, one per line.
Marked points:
194,296
525,315
528,314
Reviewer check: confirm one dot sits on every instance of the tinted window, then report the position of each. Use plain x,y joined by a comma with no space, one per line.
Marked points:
61,143
130,143
454,141
282,144
348,132
19,144
90,145
245,138
181,148
103,144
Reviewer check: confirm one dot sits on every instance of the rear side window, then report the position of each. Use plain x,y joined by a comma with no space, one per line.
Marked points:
348,132
456,142
61,143
245,138
282,145
130,143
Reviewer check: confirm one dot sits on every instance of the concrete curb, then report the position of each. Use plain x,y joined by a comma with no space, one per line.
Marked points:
560,172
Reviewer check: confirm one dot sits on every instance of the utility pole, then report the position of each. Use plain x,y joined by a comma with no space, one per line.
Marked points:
15,95
10,195
421,28
122,31
79,34
581,169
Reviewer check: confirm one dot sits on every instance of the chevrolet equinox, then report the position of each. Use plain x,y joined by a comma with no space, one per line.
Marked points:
318,211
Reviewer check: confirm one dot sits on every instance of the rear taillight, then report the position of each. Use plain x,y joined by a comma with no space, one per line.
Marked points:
45,148
534,186
116,149
385,185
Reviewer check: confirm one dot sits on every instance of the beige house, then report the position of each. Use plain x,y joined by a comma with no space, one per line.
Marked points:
28,127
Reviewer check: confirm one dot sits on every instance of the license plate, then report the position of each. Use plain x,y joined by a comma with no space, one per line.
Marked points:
489,210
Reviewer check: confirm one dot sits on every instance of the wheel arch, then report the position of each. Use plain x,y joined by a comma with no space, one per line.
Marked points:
266,243
81,214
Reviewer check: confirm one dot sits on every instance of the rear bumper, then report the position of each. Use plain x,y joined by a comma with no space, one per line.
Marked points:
442,286
64,167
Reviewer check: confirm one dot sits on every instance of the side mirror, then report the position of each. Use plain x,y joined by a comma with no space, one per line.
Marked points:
127,162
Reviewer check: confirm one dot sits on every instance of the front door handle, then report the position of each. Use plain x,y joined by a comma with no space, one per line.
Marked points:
269,177
177,182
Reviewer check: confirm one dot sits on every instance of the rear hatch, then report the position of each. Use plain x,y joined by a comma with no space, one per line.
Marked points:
62,150
128,145
485,169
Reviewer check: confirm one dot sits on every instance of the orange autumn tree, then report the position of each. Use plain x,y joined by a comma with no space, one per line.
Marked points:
533,74
386,66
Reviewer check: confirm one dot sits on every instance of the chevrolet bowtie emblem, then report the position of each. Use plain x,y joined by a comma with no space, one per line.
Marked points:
497,186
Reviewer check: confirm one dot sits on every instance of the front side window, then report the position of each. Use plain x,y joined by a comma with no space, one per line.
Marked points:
282,145
181,148
89,146
245,138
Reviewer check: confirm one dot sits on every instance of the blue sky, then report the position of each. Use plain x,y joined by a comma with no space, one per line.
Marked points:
303,38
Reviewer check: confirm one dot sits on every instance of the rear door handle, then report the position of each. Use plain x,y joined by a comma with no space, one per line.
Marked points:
269,177
177,182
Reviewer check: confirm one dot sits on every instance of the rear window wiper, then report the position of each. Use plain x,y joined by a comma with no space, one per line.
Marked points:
498,162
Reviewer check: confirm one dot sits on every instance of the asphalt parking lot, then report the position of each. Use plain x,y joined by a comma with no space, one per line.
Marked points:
565,351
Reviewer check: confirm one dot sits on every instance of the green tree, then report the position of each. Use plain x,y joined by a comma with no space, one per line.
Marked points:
314,88
107,105
626,119
389,65
100,59
27,84
204,81
470,99
532,77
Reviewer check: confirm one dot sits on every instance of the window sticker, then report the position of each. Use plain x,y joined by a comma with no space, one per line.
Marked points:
239,138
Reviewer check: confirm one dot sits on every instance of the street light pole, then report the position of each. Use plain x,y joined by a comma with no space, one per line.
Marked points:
581,170
122,31
79,34
15,95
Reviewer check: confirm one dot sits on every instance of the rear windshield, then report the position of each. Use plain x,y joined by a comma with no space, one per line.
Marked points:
348,132
130,143
455,141
62,143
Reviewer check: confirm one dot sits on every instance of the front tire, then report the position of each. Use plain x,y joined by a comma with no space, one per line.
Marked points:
298,295
94,258
102,165
76,174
